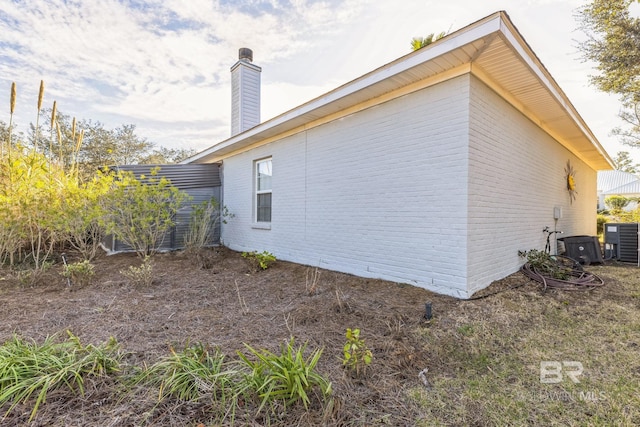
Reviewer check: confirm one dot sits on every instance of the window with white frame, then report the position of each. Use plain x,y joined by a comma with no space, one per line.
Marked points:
263,190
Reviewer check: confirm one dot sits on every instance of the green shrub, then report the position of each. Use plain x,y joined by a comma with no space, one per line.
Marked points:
140,212
286,377
80,273
259,260
140,276
616,203
356,354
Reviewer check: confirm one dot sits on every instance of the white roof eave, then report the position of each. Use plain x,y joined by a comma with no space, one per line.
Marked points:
408,68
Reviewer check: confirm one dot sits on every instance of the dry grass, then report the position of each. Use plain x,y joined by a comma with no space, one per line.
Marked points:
487,356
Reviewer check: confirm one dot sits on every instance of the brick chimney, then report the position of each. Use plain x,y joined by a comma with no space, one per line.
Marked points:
245,93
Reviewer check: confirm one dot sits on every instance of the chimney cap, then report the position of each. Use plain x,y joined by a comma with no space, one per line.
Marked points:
245,53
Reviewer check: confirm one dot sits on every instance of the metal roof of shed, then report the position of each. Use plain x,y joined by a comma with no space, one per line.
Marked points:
610,180
491,49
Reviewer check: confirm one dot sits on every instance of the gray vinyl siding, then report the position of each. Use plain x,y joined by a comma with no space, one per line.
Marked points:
200,181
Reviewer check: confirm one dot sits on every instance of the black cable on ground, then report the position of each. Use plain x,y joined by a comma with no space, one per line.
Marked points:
519,285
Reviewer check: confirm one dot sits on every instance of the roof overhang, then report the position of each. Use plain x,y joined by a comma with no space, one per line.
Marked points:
491,49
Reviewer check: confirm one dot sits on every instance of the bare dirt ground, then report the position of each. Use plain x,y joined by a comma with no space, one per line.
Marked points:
226,306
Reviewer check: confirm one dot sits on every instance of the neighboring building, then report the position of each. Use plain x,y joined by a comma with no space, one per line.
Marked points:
433,170
618,183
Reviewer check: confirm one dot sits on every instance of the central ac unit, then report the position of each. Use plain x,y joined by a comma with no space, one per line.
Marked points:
621,242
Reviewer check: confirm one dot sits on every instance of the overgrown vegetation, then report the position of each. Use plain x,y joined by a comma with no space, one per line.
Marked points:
46,204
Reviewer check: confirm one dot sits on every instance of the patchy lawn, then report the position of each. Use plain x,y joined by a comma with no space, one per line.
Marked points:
482,358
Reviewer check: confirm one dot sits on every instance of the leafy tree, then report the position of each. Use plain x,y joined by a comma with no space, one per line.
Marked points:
630,115
420,42
130,148
624,162
613,43
164,155
616,203
98,147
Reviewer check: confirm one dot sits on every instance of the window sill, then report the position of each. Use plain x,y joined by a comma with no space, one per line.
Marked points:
261,225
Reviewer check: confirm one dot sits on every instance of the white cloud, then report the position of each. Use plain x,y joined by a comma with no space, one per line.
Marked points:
164,64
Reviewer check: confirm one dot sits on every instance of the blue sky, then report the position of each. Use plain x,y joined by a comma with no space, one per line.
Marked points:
163,65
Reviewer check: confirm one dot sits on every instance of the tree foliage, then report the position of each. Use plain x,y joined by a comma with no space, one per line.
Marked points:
616,203
629,133
623,162
613,44
43,204
420,42
164,155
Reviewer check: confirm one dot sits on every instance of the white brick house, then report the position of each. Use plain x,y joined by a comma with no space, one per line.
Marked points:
432,170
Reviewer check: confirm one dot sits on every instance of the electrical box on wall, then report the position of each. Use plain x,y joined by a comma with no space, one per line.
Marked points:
557,212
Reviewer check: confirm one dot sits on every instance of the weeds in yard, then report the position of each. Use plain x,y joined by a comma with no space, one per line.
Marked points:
243,305
311,280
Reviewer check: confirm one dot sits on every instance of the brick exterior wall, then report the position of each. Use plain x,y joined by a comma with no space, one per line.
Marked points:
438,189
379,193
517,177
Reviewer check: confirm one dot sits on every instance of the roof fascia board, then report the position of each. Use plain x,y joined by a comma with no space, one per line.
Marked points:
405,90
469,34
527,55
